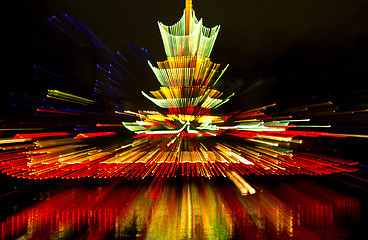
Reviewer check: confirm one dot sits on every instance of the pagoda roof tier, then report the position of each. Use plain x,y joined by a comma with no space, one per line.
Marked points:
199,40
184,62
203,73
202,101
185,92
186,118
197,111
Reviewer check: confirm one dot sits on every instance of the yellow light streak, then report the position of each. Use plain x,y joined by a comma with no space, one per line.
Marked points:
240,183
68,97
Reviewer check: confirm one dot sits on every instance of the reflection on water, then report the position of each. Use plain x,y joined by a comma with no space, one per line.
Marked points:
186,210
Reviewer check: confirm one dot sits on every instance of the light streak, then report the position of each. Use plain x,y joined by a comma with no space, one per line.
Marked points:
40,135
240,183
68,97
22,129
56,111
90,135
108,125
5,141
352,135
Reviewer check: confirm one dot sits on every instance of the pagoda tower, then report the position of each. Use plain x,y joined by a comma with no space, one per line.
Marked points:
188,76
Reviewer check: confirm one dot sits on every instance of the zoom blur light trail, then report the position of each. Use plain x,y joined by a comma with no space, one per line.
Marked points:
182,141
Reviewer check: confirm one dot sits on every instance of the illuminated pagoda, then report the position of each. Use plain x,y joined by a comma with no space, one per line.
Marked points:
181,141
187,77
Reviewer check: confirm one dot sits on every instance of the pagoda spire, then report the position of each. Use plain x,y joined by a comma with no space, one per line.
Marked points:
188,13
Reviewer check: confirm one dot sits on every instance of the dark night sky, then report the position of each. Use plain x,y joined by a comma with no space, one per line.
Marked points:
277,50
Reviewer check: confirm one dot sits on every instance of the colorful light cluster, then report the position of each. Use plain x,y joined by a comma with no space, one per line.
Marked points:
187,76
167,155
187,79
186,140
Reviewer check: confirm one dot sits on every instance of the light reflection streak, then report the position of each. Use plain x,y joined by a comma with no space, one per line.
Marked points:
187,210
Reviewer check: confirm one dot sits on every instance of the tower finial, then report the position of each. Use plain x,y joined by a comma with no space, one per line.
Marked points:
188,5
188,13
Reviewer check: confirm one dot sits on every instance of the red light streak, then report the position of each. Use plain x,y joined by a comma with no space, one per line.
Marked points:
40,135
56,111
91,135
108,125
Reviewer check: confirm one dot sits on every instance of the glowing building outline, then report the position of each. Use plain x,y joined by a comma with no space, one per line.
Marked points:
187,76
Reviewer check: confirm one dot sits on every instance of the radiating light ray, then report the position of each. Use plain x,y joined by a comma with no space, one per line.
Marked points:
40,135
161,155
89,135
11,140
68,97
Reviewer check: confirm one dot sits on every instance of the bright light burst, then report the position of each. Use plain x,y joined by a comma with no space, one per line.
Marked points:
183,140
